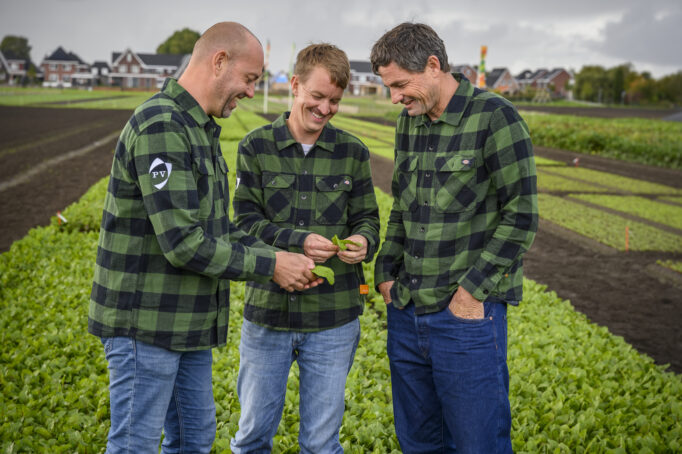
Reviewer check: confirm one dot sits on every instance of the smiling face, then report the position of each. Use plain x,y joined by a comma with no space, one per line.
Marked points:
238,79
418,92
316,100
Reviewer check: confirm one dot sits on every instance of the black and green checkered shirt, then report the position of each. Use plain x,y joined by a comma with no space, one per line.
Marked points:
166,246
465,203
282,196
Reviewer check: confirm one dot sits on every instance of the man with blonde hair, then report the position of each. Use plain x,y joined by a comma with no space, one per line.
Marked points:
301,182
160,297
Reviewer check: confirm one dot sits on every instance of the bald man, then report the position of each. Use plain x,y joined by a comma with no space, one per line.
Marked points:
167,250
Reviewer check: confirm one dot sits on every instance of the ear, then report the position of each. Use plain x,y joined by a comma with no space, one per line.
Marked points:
294,84
433,65
219,62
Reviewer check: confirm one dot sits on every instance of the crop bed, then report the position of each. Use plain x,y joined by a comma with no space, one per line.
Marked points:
566,377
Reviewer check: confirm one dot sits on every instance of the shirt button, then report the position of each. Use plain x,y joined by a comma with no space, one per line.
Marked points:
426,203
416,256
422,229
414,280
428,175
303,197
301,222
292,298
335,186
305,172
430,148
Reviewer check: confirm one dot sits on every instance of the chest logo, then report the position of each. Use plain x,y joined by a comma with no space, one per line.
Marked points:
160,172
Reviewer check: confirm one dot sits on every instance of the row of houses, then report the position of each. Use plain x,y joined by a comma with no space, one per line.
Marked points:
133,70
554,81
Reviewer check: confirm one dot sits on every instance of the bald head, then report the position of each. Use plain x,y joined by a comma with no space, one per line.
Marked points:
231,37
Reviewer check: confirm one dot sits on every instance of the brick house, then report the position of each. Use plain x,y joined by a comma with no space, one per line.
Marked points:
14,69
501,80
143,71
470,72
60,67
362,80
555,81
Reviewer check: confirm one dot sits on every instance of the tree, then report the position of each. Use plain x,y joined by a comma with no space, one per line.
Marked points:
670,88
18,45
179,43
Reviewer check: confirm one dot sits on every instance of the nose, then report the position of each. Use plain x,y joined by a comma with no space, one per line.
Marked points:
396,96
250,90
324,107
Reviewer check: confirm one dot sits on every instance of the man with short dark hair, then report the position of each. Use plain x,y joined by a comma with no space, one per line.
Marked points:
160,297
464,212
301,182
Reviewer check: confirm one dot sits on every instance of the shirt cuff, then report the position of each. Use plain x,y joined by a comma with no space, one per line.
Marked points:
479,283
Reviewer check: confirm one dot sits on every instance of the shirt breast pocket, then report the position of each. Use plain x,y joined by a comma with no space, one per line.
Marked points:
205,186
331,204
456,182
278,193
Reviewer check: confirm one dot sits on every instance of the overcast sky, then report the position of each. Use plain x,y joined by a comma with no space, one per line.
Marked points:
519,34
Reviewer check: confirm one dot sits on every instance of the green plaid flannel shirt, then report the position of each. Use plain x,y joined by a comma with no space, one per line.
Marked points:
282,196
166,246
465,203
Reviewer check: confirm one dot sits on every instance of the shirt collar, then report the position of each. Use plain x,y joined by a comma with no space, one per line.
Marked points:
454,111
283,137
187,103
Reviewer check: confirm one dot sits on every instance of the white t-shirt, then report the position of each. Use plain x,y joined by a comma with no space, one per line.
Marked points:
306,147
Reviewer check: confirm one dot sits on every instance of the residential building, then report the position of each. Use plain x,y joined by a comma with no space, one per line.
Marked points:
555,82
60,67
143,71
362,80
280,82
14,69
470,72
501,80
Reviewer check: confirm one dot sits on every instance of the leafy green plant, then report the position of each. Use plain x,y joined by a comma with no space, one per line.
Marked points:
325,272
606,228
662,213
342,244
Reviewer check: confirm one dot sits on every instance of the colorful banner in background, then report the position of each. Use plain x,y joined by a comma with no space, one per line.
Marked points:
481,68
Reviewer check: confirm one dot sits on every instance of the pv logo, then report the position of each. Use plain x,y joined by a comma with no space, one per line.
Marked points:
160,172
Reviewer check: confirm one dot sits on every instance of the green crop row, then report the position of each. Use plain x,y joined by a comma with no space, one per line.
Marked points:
652,142
615,182
574,386
548,181
606,228
662,213
673,265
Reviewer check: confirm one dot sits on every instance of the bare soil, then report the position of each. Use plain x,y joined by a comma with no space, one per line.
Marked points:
625,292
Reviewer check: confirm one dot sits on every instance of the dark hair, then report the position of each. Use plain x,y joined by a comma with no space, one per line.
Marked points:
329,57
409,45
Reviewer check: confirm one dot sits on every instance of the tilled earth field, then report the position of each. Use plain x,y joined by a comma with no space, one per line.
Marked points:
627,292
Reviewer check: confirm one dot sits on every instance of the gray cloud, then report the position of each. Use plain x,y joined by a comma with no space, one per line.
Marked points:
646,35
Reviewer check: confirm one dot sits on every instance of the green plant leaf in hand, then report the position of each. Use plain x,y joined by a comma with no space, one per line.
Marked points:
325,272
342,243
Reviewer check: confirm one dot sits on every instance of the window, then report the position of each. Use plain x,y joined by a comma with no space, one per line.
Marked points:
122,68
53,67
14,66
53,77
135,69
67,67
66,78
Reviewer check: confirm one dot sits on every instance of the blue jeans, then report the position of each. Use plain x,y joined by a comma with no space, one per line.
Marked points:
450,381
324,359
151,389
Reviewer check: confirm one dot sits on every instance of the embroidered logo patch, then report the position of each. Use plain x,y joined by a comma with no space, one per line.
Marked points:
160,172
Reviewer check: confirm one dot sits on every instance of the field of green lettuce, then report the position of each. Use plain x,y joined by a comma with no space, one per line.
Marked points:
575,388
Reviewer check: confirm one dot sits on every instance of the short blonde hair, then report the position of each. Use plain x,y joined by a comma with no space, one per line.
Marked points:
329,57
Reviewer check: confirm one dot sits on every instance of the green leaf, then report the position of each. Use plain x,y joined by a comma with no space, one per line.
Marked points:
325,272
342,243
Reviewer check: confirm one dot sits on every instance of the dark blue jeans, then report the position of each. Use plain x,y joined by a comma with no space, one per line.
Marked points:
450,381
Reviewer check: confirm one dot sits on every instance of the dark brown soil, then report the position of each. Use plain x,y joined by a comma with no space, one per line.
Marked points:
626,292
29,136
